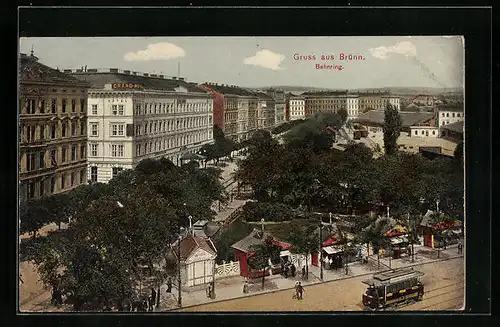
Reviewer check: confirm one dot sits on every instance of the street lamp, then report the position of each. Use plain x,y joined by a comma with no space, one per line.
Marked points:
320,252
179,298
412,233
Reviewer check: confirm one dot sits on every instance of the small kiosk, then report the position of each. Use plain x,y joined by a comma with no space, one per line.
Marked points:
242,252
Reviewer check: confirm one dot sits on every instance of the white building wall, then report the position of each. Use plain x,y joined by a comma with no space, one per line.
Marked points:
449,117
171,130
424,131
297,109
352,108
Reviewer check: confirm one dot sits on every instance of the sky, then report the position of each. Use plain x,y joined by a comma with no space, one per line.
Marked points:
377,61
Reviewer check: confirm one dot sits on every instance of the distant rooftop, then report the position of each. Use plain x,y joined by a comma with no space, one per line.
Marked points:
228,89
455,127
325,93
32,71
408,118
99,77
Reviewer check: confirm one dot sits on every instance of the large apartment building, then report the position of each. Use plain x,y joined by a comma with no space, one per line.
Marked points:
377,100
280,100
331,101
52,130
135,116
235,110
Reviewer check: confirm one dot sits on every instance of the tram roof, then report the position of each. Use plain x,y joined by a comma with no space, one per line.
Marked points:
393,276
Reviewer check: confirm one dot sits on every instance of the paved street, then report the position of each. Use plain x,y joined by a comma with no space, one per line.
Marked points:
443,282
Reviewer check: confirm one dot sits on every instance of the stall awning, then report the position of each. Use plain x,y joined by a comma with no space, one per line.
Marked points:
285,253
332,249
398,240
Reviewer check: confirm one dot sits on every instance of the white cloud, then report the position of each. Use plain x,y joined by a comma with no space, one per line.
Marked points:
266,59
405,48
156,51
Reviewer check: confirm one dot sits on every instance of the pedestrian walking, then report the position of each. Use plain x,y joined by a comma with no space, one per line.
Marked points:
303,273
296,291
300,290
209,291
153,297
460,247
169,285
245,287
292,270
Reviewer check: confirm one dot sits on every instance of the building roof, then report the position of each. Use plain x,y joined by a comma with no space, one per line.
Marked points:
32,71
408,118
252,239
97,80
264,96
325,93
206,229
191,243
457,127
451,107
229,89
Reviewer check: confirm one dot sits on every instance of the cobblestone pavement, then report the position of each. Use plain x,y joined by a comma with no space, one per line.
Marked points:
444,282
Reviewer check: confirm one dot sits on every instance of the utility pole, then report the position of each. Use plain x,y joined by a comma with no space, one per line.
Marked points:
320,252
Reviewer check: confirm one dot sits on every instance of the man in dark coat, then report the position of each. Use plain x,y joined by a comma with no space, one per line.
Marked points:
292,270
153,297
169,285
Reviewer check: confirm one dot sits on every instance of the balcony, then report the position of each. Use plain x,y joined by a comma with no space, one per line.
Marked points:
34,144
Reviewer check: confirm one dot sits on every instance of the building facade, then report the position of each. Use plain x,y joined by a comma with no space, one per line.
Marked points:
134,116
330,101
265,111
52,130
279,97
449,115
297,107
235,110
377,100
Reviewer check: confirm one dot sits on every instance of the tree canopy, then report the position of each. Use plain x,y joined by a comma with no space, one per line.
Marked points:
392,129
119,227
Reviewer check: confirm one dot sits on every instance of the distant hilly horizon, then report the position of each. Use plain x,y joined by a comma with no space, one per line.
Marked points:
392,89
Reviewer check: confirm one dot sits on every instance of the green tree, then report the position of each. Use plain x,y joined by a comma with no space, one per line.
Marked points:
262,255
392,128
343,114
304,242
33,215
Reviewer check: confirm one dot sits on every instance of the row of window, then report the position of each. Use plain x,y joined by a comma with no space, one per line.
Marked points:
425,132
458,114
94,173
32,133
54,184
115,150
50,158
116,109
43,106
166,108
171,125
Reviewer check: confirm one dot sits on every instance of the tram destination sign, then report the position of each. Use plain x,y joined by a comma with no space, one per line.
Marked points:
119,86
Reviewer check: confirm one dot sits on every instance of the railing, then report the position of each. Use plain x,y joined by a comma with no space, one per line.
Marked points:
227,269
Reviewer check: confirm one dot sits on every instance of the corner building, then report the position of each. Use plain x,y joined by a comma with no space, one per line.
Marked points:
134,116
52,130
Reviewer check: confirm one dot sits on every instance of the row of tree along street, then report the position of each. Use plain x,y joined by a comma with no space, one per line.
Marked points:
120,233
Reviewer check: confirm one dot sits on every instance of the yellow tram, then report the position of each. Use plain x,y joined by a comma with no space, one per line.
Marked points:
393,287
